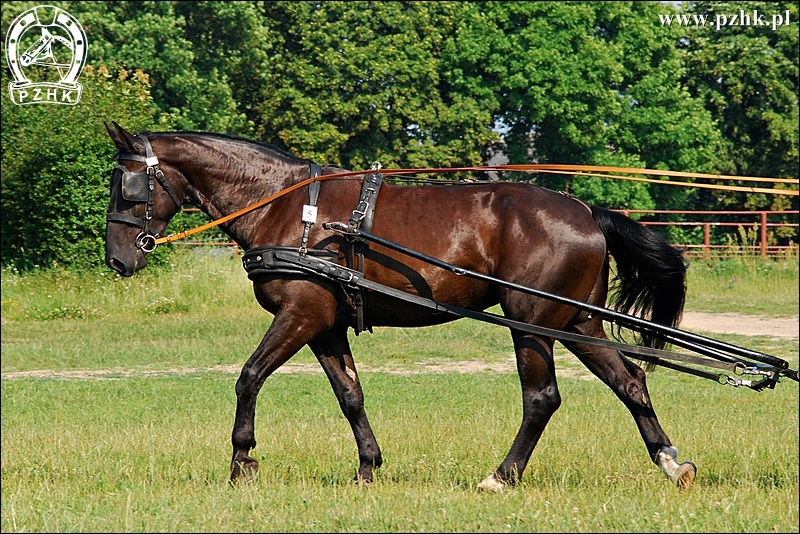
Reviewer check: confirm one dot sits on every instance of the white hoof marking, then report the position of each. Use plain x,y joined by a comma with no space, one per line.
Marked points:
491,483
681,475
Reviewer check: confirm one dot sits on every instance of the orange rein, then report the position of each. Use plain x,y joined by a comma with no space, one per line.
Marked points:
580,170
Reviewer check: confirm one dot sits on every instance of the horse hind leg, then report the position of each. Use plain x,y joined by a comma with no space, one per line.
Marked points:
540,400
333,352
627,381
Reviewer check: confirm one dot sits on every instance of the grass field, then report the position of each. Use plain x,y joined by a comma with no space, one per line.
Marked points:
145,445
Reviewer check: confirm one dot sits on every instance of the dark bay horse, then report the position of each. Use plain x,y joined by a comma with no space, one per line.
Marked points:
514,231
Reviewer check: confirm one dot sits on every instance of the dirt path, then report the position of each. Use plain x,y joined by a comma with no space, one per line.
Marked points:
736,323
732,323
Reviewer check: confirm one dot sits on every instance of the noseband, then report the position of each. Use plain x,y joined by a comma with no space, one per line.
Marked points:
138,187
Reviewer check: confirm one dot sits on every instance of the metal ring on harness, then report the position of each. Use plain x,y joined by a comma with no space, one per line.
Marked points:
146,242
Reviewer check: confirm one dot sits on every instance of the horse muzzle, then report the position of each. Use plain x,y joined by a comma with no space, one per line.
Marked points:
126,264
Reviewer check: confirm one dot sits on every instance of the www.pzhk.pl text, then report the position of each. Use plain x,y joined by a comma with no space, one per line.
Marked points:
718,21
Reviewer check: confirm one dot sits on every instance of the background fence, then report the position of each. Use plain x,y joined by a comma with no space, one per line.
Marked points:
759,224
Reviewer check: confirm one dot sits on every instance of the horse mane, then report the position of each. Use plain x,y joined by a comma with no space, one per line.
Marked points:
267,149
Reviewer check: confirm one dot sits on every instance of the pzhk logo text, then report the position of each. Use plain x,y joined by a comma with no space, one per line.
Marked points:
46,51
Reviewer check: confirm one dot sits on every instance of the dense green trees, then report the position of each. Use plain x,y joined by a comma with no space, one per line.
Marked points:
417,84
56,165
747,77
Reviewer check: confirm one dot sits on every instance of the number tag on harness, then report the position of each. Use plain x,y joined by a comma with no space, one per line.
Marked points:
309,214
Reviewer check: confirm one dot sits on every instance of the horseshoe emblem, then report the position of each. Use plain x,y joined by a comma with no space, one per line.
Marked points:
58,31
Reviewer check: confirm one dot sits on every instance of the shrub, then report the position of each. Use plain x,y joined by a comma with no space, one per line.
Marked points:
56,164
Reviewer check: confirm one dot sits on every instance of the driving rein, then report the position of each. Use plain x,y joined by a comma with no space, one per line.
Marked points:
138,187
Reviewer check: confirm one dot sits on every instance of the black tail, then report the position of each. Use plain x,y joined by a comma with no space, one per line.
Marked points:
651,274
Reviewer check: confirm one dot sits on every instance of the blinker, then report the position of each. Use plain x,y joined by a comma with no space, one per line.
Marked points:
135,186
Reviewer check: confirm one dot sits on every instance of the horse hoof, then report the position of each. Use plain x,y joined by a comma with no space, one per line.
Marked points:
243,470
362,480
684,475
491,484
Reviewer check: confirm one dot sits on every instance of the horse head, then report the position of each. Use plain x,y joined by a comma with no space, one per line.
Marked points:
146,192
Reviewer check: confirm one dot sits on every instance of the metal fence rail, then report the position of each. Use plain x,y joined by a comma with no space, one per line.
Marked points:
758,220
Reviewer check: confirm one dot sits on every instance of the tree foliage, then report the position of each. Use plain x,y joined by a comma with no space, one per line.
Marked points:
56,166
747,77
413,84
353,83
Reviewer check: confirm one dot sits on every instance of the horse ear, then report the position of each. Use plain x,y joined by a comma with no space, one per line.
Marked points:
113,134
124,140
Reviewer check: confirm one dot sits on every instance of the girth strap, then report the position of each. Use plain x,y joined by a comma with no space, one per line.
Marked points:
271,260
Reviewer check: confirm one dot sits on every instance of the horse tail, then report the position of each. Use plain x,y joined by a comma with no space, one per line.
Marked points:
651,274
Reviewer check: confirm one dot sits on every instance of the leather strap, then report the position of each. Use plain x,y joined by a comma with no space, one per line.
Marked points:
314,170
127,219
264,260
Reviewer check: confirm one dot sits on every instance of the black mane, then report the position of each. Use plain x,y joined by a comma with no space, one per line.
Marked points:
270,150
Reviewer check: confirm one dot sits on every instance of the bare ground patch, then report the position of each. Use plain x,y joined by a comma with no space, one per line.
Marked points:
565,363
737,323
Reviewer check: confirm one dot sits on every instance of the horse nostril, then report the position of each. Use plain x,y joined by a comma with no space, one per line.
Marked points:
116,265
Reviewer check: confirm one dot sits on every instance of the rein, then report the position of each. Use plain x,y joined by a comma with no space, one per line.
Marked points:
581,170
263,202
147,241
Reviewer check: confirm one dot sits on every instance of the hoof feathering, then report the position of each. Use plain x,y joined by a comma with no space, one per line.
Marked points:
491,484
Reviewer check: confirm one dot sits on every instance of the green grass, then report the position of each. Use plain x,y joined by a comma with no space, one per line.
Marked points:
151,455
138,452
744,286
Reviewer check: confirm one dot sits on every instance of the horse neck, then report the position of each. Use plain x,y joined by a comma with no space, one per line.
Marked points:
226,175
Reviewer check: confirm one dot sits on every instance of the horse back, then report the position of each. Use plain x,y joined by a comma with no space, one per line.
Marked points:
513,231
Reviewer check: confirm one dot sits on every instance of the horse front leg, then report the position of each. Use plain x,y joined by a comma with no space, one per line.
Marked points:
540,400
290,330
332,349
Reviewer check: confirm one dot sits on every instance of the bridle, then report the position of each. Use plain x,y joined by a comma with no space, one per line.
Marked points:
138,187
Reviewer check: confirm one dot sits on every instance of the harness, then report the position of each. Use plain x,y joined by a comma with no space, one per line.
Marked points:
273,259
361,219
766,369
138,187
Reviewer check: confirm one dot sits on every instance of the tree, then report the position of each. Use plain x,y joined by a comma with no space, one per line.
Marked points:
747,77
414,84
154,37
357,82
597,83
